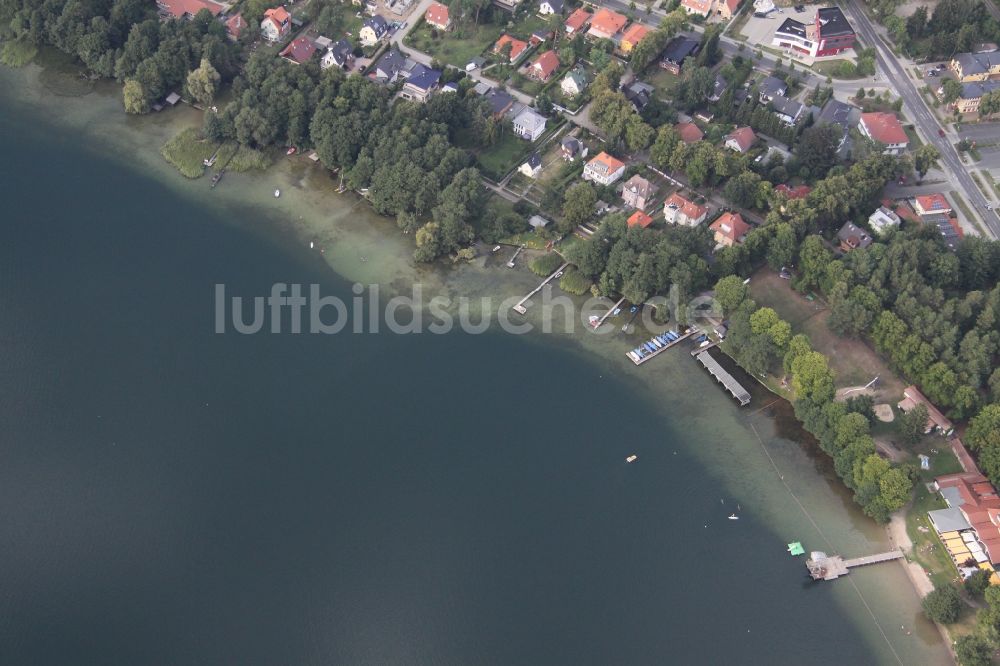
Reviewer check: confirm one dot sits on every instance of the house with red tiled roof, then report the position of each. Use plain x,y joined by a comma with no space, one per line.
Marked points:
299,51
885,129
438,16
639,219
517,47
544,66
234,26
935,419
577,21
678,210
797,192
606,24
632,36
973,504
931,204
187,9
604,169
689,132
740,139
730,229
727,8
276,25
697,7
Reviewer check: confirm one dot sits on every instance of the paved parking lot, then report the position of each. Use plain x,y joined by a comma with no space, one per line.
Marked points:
987,138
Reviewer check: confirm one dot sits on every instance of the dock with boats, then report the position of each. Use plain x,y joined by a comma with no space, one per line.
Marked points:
724,378
519,308
658,344
830,567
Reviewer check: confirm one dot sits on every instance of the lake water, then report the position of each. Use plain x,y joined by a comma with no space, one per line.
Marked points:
175,496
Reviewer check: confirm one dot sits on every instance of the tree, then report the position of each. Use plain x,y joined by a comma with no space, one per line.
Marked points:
812,378
973,650
943,605
730,292
977,583
860,94
990,103
913,424
578,206
951,90
817,149
924,158
134,97
203,82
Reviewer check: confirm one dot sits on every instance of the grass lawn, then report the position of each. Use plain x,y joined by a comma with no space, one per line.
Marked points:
964,207
187,152
911,134
456,47
993,183
928,551
853,361
830,67
503,156
529,239
662,80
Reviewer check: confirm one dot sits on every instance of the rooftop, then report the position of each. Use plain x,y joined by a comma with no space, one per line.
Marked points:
638,218
832,22
884,128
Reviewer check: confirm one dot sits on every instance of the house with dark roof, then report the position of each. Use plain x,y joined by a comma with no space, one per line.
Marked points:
373,30
420,84
718,88
972,94
829,33
532,166
571,148
575,82
837,114
970,67
389,66
639,94
853,237
788,110
637,192
500,102
679,49
771,87
339,54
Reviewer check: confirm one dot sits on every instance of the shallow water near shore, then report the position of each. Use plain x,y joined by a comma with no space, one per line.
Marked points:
177,496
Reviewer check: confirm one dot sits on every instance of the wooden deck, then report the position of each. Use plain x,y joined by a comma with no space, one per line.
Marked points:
724,378
519,308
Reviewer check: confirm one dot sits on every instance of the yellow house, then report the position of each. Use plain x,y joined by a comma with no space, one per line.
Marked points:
632,36
970,67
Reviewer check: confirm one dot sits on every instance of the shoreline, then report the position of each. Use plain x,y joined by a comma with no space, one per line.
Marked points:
310,219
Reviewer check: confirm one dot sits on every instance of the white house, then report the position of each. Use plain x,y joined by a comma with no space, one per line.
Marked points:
529,125
604,169
546,7
276,25
532,166
882,220
373,30
574,82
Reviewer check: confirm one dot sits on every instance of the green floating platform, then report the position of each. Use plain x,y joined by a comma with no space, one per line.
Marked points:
796,548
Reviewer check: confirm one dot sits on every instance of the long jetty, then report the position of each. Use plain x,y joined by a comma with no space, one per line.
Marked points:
691,331
830,567
519,308
607,314
724,378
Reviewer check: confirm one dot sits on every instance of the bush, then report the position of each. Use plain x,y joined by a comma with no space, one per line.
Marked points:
973,651
977,583
575,282
546,264
943,605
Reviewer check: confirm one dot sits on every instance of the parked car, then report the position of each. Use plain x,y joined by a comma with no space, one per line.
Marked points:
940,132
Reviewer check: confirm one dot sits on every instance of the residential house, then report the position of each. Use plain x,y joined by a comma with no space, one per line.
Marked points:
187,9
639,94
740,139
969,67
837,114
577,21
373,30
500,102
438,16
972,94
727,8
912,397
299,51
639,219
532,166
797,192
637,192
540,37
421,83
546,7
689,132
853,237
788,110
969,526
884,128
631,37
730,229
571,148
697,7
603,169
606,24
276,25
451,87
340,54
882,220
529,124
537,222
678,210
544,66
830,33
718,88
679,49
770,88
389,66
574,83
931,204
517,47
234,26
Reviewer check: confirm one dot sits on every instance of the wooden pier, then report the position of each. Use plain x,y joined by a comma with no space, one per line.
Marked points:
607,314
519,308
698,350
830,567
510,264
691,331
724,378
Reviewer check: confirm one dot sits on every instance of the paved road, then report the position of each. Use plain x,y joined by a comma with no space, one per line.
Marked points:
890,66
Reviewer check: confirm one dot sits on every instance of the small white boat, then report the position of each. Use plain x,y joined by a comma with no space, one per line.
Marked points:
277,193
632,458
311,245
734,517
496,249
705,343
593,319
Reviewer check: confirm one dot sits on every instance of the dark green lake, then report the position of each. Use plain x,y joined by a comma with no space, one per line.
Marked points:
173,496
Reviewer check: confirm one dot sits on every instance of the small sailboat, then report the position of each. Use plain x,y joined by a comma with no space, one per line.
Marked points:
291,151
632,458
734,517
277,193
311,245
